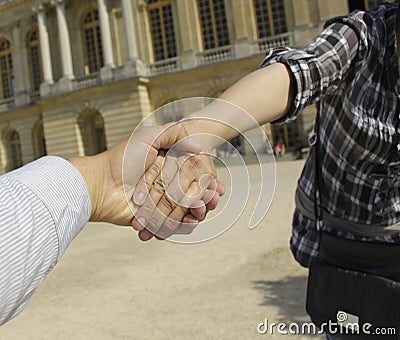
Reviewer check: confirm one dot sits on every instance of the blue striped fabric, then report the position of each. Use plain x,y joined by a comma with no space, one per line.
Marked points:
43,206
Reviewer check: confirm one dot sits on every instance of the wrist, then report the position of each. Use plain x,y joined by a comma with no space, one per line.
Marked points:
208,132
92,169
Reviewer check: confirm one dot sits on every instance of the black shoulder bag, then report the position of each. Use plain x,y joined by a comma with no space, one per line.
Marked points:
347,295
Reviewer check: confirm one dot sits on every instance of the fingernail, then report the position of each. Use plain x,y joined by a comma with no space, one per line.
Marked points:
142,221
192,145
193,142
139,198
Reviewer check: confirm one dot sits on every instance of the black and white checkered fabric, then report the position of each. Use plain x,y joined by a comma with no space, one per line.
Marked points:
351,72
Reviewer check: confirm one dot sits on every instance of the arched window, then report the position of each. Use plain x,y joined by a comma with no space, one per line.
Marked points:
214,25
162,29
92,39
38,139
100,135
15,150
91,126
6,69
33,44
270,16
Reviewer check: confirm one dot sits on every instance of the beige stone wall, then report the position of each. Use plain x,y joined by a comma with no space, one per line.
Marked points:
22,121
123,103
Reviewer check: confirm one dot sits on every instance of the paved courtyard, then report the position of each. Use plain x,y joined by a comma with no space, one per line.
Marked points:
109,285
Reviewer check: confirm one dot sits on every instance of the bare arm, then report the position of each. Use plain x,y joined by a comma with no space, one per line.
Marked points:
266,94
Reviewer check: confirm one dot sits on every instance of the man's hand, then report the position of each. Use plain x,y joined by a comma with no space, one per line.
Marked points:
112,176
181,188
109,188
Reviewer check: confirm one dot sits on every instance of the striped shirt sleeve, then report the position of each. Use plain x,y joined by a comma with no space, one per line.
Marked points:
43,206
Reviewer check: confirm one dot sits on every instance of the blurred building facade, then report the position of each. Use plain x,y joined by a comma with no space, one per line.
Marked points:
78,76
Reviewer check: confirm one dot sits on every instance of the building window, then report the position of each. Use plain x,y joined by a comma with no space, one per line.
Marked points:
214,25
270,16
33,45
38,139
92,38
15,148
100,135
6,69
91,126
162,29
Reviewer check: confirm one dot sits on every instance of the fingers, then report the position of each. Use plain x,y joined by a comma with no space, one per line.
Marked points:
161,202
147,180
210,200
220,187
169,224
145,235
198,210
141,192
191,192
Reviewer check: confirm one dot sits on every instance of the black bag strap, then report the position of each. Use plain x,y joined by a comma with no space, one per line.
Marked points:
315,144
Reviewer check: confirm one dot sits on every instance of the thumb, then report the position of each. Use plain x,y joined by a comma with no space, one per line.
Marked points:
189,145
176,135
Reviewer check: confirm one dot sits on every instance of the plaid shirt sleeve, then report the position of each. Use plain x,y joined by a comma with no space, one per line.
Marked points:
320,65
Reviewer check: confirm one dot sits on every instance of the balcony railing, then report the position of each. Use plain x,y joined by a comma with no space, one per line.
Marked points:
6,104
3,2
216,55
34,96
86,81
165,66
211,56
261,45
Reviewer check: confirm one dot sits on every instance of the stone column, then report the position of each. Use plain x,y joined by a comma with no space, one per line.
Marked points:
191,38
18,68
130,31
65,44
133,65
44,46
244,30
105,34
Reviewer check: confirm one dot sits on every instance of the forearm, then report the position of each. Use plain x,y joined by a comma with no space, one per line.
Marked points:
44,205
265,95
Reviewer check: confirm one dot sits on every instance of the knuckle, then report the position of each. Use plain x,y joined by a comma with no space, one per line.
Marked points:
158,185
151,174
153,224
180,212
168,228
145,210
170,225
167,203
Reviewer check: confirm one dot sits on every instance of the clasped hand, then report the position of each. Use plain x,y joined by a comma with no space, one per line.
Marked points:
166,187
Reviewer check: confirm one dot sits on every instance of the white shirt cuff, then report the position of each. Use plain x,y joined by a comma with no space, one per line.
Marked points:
62,189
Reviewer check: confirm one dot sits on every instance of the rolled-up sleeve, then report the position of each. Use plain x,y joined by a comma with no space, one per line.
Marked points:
43,206
320,65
